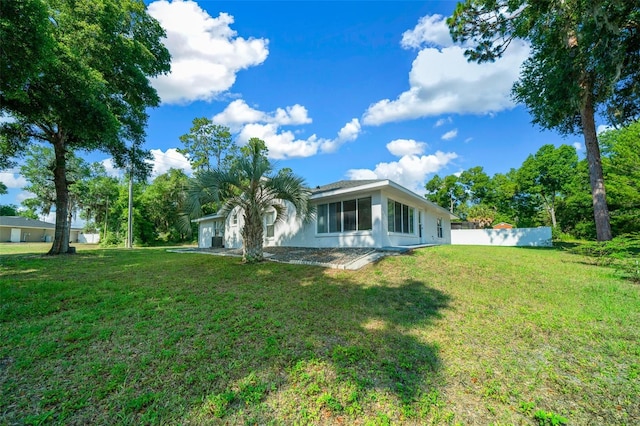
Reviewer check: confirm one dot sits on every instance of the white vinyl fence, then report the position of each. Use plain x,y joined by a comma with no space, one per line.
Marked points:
88,238
521,237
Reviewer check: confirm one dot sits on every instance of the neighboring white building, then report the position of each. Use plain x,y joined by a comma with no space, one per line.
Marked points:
18,229
349,213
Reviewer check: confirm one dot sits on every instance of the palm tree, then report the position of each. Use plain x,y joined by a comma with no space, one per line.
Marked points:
252,186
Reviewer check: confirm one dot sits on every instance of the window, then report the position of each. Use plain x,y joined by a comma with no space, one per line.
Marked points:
400,217
364,214
234,219
345,216
439,227
323,218
269,220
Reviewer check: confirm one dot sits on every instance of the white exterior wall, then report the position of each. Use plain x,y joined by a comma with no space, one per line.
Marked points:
523,237
89,238
429,224
293,233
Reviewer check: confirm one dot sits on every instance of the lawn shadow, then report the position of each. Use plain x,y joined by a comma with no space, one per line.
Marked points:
160,337
334,342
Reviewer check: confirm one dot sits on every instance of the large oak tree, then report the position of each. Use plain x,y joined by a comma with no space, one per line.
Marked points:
585,59
86,87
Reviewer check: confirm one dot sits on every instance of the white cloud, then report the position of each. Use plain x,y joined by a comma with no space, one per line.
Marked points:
281,144
467,140
400,147
12,179
442,81
24,195
292,115
450,135
171,159
206,53
161,162
578,146
604,128
249,123
350,131
443,121
431,30
111,169
410,170
238,113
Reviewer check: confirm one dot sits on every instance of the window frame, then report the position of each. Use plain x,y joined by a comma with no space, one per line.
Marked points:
400,218
334,218
270,226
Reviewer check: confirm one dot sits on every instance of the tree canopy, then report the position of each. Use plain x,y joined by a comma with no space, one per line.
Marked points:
207,142
585,58
86,89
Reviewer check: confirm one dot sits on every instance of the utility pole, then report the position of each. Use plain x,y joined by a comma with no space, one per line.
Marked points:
106,219
129,243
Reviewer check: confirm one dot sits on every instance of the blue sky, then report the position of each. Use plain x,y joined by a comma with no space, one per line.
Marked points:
337,89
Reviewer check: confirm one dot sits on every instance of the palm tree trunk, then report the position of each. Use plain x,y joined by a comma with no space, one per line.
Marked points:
252,235
596,177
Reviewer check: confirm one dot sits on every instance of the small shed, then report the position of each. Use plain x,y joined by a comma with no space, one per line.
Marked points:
18,229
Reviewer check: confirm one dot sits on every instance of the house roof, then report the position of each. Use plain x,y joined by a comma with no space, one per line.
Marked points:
25,222
345,187
208,217
343,184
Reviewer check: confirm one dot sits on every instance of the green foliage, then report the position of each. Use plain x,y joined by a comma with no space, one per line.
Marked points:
38,169
206,142
546,175
251,186
621,253
8,210
163,204
87,87
548,418
585,56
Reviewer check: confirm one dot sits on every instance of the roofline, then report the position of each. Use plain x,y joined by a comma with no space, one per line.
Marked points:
51,226
379,185
211,216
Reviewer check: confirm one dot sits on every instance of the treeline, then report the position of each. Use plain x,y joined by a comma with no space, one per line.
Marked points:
102,201
551,188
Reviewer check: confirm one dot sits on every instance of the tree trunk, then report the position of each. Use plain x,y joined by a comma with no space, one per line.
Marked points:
62,230
252,236
596,177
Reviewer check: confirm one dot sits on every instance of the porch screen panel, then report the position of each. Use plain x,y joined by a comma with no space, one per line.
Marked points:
335,217
398,216
391,221
364,214
411,216
323,218
349,215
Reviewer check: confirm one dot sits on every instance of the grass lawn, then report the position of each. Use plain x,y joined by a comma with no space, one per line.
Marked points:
445,335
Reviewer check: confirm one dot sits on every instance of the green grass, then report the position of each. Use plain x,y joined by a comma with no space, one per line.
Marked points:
446,335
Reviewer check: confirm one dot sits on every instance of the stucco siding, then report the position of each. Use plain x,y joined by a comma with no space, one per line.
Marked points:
292,232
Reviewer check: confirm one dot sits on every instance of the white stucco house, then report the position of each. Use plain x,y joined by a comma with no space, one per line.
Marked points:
349,213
